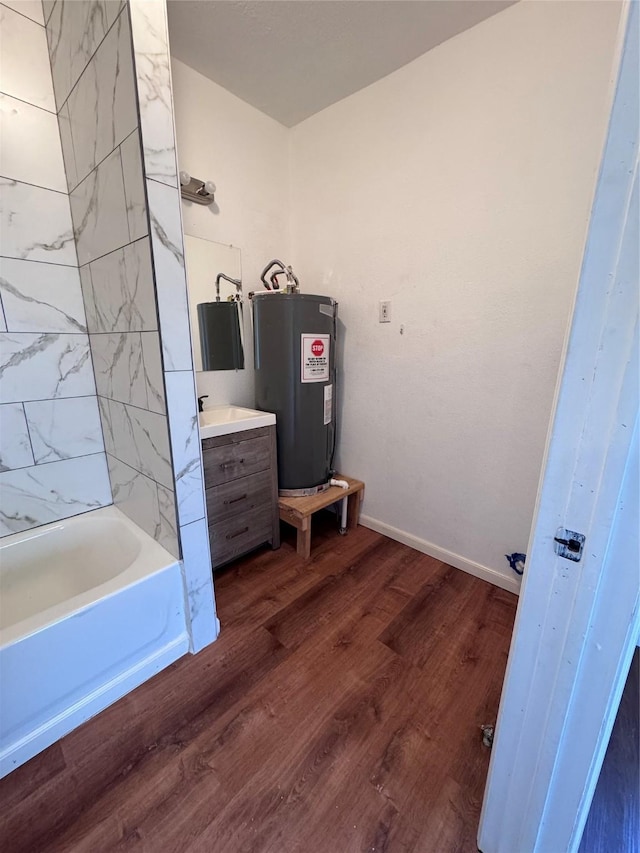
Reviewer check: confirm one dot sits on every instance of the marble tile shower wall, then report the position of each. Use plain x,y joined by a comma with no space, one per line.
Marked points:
93,80
153,81
52,460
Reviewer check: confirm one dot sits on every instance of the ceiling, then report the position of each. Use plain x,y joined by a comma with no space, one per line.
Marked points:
293,58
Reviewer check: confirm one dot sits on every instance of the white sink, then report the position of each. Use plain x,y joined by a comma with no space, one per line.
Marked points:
222,420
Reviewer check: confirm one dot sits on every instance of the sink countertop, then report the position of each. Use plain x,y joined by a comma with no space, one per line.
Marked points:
222,420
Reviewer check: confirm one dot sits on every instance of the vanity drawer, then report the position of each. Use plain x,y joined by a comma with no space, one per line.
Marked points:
237,535
246,494
230,461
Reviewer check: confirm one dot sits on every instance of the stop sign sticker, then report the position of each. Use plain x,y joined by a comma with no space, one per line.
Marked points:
314,357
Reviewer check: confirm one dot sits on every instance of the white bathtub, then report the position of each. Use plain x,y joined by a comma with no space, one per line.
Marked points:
90,607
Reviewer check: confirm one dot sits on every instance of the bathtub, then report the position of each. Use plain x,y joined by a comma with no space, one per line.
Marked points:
90,607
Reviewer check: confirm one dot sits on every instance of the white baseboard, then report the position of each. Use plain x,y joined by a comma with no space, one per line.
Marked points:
475,569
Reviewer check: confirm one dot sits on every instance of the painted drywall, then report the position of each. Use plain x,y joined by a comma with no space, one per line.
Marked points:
459,188
52,460
245,153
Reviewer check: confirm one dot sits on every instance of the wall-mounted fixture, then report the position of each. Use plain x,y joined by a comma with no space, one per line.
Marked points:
193,189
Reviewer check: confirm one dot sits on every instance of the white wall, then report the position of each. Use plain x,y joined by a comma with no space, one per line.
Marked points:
245,153
459,187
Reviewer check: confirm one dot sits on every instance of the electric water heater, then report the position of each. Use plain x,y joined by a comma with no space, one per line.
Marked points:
295,370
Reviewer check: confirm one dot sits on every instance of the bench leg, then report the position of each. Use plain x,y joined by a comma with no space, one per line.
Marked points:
353,511
303,542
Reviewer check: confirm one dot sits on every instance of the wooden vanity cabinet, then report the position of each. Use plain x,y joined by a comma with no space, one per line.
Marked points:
241,488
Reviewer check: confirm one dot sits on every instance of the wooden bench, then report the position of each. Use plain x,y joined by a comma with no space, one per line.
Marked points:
298,511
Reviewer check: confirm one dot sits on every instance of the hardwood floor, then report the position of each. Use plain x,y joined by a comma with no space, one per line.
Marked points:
339,711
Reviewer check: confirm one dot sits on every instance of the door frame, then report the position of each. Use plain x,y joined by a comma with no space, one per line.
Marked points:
578,622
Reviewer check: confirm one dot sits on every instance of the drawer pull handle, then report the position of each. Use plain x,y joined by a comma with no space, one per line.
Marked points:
235,500
225,465
238,533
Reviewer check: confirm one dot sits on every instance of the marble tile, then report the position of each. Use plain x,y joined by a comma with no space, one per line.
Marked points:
36,224
25,72
87,297
112,9
63,429
198,580
30,148
117,363
153,374
74,31
107,425
31,8
68,154
151,50
41,494
99,211
134,186
185,444
15,447
41,297
141,440
47,8
102,106
167,534
44,367
122,293
171,283
3,322
136,496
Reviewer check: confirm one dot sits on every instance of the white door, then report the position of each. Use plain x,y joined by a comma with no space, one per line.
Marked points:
578,622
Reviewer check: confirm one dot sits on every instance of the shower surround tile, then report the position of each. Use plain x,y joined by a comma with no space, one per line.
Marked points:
171,287
107,425
185,445
68,154
47,8
134,186
119,371
74,31
64,429
153,375
138,497
168,533
41,297
31,8
44,367
141,441
150,37
15,447
99,211
119,292
36,224
25,60
3,322
30,148
41,494
102,107
196,554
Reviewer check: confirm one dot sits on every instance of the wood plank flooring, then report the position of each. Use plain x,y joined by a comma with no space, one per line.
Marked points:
339,711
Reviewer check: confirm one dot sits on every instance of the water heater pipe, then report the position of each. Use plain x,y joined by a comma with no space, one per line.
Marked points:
341,483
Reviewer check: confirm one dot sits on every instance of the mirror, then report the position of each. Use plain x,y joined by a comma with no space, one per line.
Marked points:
217,328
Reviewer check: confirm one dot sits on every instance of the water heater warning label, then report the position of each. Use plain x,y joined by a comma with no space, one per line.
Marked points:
314,350
328,404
